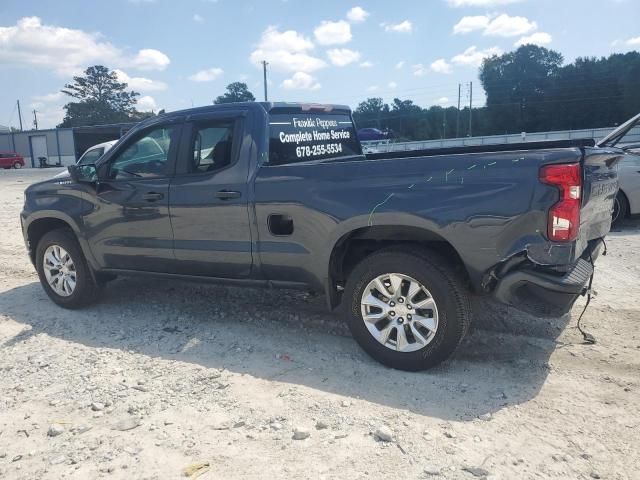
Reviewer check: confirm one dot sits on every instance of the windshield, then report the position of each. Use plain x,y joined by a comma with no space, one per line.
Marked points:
301,137
91,156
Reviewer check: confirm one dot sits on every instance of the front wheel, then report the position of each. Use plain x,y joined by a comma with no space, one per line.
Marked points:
17,165
63,270
407,310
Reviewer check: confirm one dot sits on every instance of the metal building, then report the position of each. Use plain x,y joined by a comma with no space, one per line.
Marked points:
59,146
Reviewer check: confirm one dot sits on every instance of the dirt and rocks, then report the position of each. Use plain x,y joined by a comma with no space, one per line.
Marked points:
164,379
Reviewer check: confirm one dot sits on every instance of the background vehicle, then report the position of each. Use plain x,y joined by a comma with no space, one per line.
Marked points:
280,194
11,160
369,134
91,155
628,199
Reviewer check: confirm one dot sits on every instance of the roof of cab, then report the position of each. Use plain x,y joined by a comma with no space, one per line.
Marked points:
267,106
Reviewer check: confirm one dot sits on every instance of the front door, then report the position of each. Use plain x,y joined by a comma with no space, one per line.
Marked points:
208,199
129,226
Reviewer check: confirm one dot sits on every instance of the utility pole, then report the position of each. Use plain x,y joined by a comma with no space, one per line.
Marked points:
444,122
264,70
458,114
19,115
35,118
470,107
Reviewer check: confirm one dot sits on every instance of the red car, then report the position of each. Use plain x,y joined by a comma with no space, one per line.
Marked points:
11,160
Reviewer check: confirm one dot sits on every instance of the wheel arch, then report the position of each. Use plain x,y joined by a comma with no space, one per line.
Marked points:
353,246
44,222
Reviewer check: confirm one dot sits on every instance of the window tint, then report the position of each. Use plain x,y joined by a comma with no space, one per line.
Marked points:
211,146
301,137
146,157
90,156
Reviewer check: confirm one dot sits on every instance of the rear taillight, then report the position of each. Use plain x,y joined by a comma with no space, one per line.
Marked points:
564,217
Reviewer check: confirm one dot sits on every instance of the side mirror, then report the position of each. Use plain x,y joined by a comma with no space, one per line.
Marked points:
83,173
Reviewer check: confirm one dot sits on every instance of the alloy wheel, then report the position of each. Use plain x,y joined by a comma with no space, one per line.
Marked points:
59,270
399,312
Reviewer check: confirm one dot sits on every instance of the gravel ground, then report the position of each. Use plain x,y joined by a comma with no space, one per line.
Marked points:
163,376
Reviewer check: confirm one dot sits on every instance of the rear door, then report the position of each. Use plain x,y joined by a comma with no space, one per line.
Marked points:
209,198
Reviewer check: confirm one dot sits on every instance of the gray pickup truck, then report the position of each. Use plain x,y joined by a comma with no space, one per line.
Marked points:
280,195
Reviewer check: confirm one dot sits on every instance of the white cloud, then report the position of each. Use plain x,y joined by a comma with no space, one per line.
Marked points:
68,51
419,69
472,57
48,98
442,100
471,24
441,66
366,64
480,3
286,51
198,18
538,38
633,41
301,81
402,27
373,88
341,57
392,85
400,64
357,15
207,75
150,59
140,84
333,33
506,26
501,26
146,104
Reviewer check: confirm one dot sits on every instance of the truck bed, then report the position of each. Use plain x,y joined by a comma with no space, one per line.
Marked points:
505,147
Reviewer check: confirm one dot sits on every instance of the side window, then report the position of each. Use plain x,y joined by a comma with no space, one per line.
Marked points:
146,157
212,142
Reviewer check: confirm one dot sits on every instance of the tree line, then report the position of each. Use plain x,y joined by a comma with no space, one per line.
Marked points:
527,90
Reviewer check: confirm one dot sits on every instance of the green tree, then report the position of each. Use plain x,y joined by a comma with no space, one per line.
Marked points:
236,92
370,113
518,85
101,99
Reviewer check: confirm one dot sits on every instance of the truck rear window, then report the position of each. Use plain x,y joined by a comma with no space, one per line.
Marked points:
302,137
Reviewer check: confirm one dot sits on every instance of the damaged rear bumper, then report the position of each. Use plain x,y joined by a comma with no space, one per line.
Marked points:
546,292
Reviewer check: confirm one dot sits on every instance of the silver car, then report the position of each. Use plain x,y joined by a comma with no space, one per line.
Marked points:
628,199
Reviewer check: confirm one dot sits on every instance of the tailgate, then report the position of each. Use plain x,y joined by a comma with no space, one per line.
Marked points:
599,191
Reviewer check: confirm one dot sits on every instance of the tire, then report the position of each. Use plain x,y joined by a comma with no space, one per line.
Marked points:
440,282
85,290
17,165
620,209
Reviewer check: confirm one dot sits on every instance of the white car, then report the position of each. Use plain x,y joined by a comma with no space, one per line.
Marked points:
91,155
628,199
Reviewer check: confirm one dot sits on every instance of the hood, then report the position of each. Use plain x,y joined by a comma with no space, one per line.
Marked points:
63,174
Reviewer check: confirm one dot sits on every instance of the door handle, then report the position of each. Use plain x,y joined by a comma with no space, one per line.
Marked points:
227,194
152,196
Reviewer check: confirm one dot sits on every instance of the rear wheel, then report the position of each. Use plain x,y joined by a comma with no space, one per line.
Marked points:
63,270
17,165
620,208
407,310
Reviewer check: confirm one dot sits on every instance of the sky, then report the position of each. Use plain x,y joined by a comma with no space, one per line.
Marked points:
179,54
